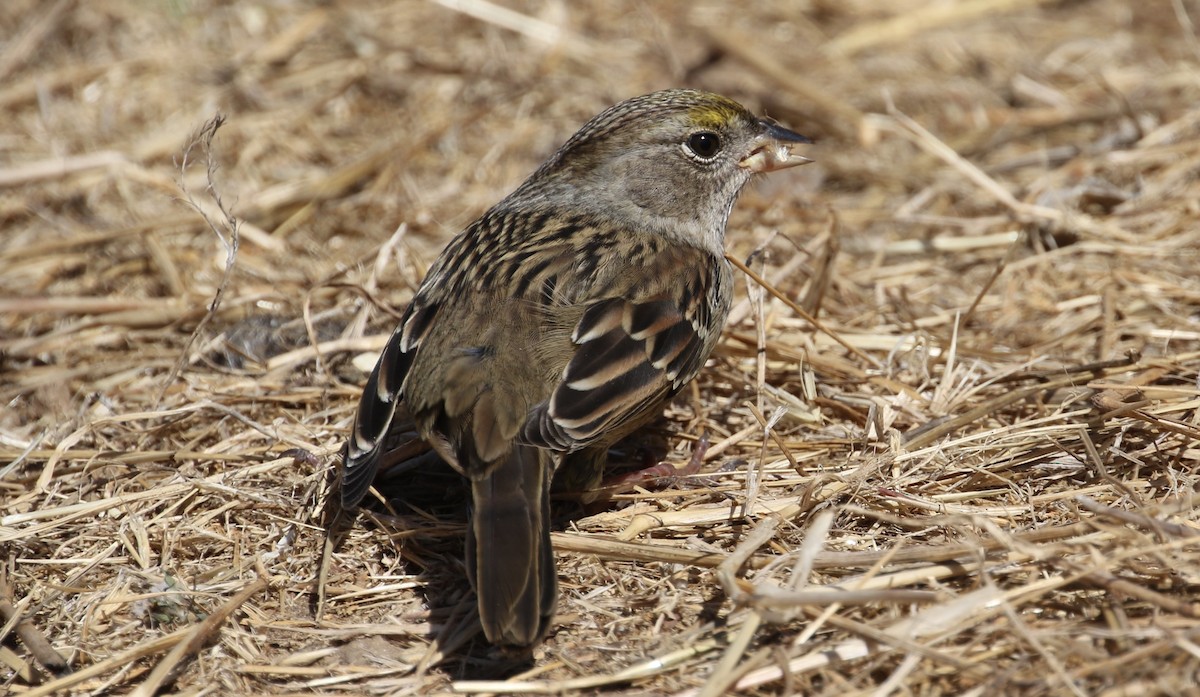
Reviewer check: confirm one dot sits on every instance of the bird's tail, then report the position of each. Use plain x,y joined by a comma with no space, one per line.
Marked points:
509,558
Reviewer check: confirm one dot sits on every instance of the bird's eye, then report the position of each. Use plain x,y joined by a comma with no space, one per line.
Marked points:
704,144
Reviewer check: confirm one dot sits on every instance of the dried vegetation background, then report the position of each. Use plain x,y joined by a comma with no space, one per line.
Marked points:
976,476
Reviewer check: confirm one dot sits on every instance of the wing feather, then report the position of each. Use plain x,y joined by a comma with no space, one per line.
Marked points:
629,357
377,407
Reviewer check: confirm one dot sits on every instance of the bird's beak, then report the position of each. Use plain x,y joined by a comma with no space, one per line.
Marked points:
773,149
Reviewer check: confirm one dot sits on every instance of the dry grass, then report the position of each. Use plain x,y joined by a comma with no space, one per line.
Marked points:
976,476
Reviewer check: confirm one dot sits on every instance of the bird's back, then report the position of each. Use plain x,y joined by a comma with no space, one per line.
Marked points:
499,350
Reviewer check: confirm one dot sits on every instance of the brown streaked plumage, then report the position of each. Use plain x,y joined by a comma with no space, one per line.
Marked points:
562,320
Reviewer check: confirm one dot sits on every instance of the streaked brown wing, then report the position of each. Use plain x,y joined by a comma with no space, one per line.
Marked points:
629,358
380,398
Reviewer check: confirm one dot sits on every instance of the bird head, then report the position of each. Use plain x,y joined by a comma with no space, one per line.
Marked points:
671,161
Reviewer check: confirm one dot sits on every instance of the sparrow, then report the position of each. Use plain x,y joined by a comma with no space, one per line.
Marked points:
562,320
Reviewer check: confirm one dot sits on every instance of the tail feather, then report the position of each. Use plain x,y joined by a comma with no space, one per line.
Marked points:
509,557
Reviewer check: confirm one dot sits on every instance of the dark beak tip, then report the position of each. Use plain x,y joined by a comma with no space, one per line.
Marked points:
785,135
